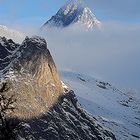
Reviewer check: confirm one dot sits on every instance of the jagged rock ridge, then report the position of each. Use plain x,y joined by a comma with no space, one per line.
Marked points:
73,12
7,49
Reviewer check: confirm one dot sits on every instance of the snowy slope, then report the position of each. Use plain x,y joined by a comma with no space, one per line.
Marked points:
73,12
117,110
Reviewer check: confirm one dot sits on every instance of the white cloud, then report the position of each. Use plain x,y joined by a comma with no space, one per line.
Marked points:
111,53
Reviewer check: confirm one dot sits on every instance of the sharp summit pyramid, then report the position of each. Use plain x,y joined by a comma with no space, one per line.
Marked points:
73,12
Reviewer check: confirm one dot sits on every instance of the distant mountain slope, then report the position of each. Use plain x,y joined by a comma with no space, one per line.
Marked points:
73,12
117,110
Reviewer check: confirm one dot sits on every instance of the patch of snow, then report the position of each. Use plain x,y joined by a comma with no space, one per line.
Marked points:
64,85
115,109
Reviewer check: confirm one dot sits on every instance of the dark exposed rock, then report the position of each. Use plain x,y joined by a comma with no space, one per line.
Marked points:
7,48
65,120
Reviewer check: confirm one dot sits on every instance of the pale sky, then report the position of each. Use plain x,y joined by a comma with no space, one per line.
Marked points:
36,12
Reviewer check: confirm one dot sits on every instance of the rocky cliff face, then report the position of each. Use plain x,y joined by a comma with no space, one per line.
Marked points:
34,79
42,110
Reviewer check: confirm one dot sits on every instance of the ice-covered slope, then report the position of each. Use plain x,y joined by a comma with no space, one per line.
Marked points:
73,12
115,109
11,34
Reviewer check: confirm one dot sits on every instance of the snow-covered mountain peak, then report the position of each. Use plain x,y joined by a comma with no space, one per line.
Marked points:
73,12
73,5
